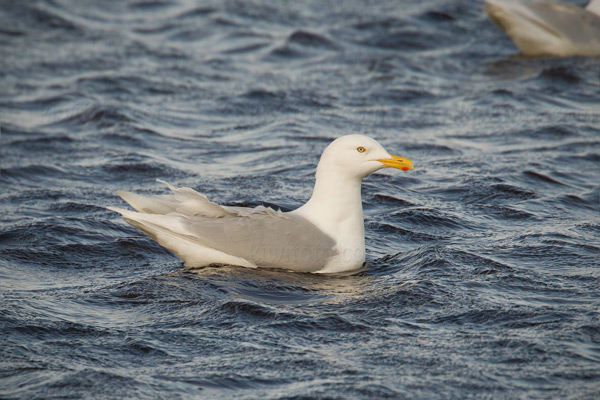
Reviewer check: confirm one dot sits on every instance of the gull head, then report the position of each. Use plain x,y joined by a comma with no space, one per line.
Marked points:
358,156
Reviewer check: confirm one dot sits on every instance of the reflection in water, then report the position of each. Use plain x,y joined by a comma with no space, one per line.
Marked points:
278,286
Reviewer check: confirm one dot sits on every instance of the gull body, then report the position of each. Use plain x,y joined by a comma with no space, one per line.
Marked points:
545,28
325,235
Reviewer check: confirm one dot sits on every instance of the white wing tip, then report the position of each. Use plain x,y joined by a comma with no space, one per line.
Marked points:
167,184
121,211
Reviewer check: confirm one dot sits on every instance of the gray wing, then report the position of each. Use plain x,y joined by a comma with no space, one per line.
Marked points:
268,240
572,22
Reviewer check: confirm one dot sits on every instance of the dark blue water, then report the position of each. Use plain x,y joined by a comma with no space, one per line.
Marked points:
484,277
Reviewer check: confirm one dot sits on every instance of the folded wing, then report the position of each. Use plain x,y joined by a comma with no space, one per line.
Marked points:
547,28
201,232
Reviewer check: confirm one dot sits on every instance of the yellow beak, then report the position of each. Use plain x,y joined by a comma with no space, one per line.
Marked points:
397,162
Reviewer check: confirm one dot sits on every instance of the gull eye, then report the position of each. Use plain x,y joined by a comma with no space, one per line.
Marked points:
361,149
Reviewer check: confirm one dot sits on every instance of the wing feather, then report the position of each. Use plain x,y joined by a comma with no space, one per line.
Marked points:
265,239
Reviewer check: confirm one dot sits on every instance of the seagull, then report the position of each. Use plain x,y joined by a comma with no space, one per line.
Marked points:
540,28
325,235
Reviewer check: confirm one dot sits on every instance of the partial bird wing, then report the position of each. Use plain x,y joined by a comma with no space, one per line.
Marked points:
572,22
594,7
547,28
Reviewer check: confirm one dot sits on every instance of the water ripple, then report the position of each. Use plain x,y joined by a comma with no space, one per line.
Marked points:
482,274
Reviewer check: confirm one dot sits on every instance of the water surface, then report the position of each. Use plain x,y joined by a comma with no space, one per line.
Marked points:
483,278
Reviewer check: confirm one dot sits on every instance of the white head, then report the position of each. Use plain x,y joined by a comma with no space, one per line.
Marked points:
358,156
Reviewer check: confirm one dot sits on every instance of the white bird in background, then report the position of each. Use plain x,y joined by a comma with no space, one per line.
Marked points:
540,28
325,235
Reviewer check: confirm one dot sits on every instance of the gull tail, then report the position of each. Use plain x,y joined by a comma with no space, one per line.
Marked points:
148,205
530,33
172,232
